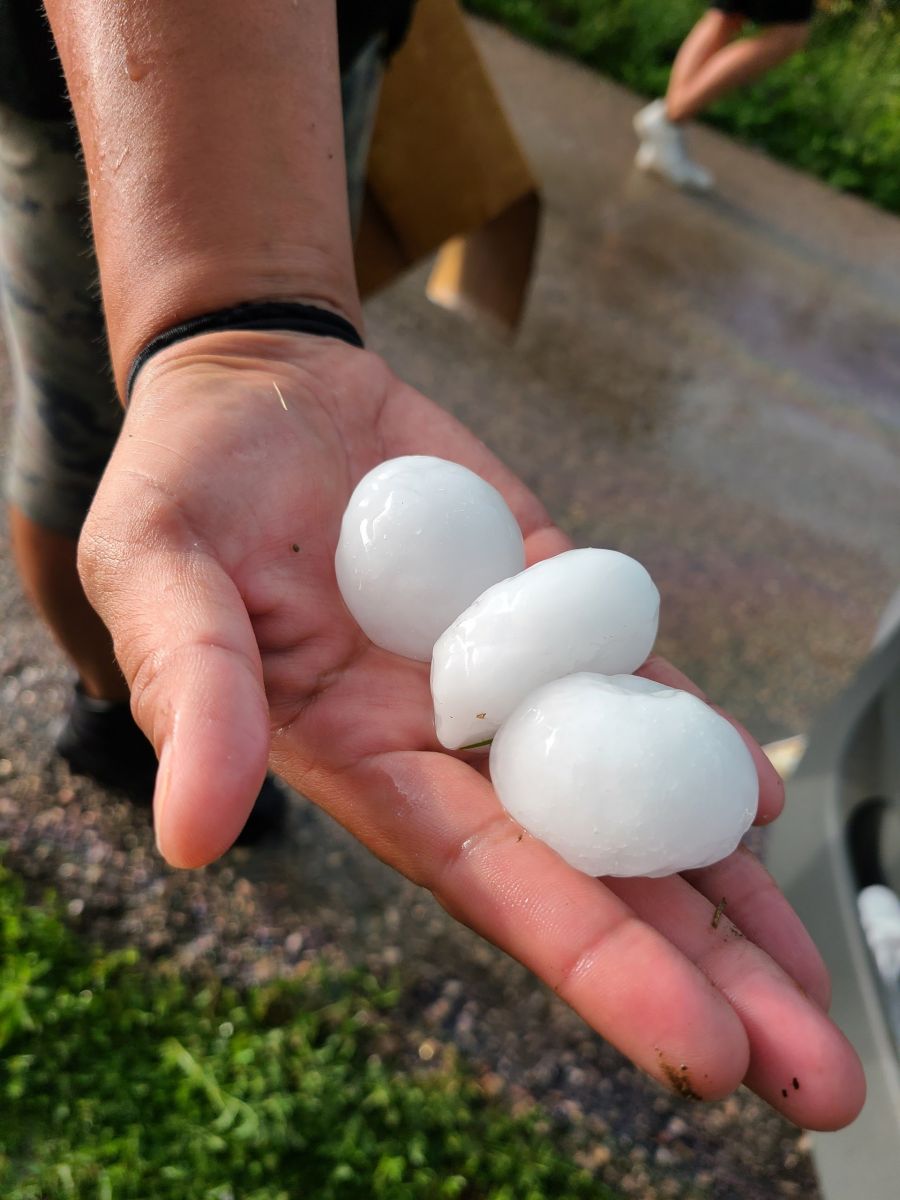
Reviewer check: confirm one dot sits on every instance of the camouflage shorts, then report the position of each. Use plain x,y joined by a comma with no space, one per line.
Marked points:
67,416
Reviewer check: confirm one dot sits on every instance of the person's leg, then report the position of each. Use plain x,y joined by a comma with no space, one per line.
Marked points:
662,148
712,33
47,567
709,64
732,66
66,416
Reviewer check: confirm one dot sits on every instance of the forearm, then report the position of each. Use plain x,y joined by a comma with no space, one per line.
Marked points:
213,143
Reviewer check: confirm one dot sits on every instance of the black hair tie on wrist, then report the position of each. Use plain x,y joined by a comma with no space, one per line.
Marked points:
252,314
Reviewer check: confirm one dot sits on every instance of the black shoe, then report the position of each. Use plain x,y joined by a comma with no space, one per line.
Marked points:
101,739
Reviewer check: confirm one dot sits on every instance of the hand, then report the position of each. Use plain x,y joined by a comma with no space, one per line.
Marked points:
209,553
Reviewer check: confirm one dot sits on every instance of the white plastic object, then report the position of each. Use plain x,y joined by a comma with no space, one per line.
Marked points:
623,776
421,537
584,610
879,915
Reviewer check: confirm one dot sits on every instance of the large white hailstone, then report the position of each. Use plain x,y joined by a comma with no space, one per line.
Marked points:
585,610
420,539
622,776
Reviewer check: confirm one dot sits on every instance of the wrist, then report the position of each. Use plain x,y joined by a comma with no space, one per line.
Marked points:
253,316
177,292
259,359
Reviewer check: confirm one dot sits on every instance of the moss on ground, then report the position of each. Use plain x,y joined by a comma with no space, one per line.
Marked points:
122,1080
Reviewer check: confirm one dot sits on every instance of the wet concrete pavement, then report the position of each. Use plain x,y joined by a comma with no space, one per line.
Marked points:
707,383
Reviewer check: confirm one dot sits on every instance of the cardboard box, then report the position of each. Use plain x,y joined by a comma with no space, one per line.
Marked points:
446,173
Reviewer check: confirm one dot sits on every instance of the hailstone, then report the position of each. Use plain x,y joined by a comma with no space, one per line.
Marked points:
420,539
623,776
585,610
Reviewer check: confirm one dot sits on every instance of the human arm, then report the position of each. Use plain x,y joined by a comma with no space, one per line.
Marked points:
213,145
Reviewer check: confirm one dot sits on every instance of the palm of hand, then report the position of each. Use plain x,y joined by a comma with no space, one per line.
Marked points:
209,552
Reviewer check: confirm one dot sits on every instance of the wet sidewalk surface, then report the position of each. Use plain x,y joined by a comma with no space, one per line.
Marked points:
708,383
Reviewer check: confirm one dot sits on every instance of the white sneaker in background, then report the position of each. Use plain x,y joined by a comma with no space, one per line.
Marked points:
662,149
650,118
696,176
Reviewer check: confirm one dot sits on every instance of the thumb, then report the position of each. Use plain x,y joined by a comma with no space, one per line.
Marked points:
184,640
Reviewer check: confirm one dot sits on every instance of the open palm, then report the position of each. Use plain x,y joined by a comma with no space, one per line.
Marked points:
209,552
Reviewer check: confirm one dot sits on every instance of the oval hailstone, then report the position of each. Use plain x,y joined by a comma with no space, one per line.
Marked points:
622,776
585,610
420,539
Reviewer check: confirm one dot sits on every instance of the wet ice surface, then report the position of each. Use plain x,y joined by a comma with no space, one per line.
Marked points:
585,610
622,776
420,539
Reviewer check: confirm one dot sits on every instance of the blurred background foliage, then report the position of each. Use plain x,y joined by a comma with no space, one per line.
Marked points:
833,110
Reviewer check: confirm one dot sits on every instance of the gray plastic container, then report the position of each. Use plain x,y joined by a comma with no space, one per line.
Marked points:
841,830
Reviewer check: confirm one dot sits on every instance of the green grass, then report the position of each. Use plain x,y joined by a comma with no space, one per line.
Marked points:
833,110
120,1080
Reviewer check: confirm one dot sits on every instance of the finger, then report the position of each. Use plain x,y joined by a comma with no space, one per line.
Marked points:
771,785
800,1062
186,645
754,903
439,823
661,670
413,424
545,543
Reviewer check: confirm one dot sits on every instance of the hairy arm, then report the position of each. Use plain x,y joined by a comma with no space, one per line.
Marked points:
213,143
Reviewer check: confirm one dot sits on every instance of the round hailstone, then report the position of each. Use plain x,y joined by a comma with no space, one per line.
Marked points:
622,776
420,539
585,610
